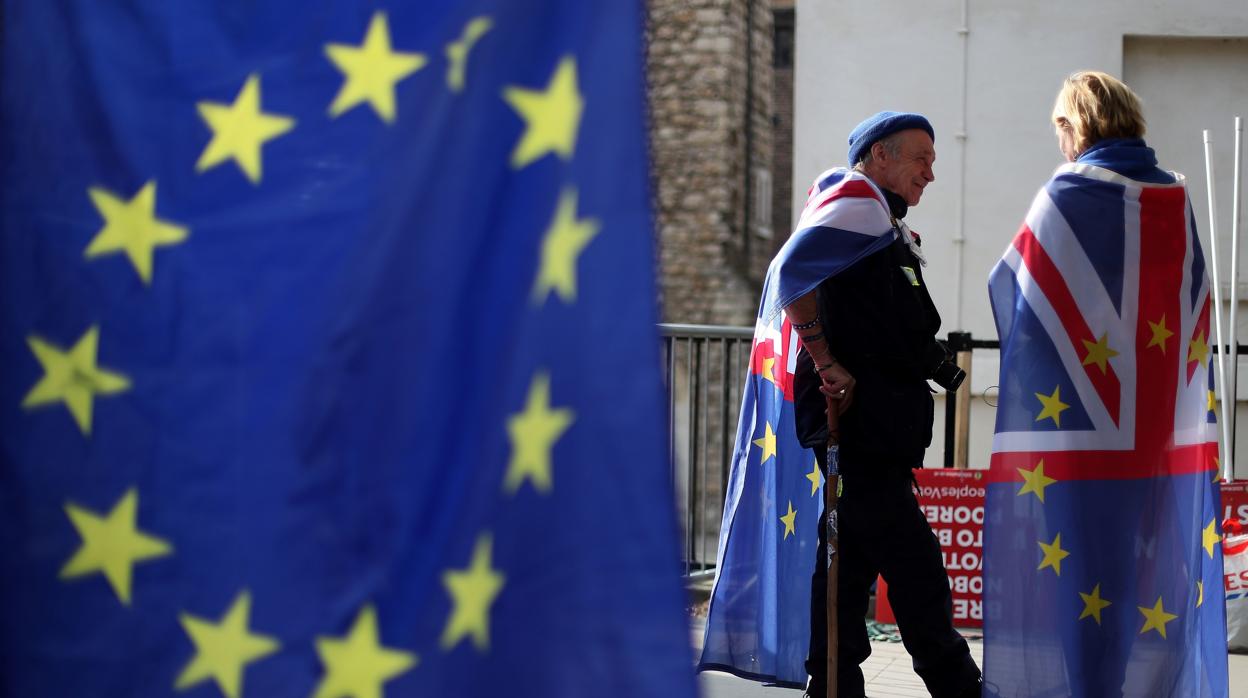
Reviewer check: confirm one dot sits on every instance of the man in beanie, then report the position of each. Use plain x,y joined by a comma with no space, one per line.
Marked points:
850,282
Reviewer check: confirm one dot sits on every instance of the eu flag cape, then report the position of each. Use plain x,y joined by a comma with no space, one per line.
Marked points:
1103,567
758,623
329,357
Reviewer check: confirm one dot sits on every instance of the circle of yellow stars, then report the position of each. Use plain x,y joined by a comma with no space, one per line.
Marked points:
1035,481
356,664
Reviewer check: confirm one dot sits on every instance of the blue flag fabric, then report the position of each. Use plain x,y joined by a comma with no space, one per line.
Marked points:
330,366
1103,561
758,622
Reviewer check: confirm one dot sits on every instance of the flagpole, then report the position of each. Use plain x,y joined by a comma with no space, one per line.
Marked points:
1233,318
1217,308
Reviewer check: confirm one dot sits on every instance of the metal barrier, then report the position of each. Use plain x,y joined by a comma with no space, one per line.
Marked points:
704,369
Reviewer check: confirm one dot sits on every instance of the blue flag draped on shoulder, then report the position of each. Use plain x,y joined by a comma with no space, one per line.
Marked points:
308,387
1103,562
758,624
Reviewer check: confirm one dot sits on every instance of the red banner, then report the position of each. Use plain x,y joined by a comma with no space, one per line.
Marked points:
953,502
1235,500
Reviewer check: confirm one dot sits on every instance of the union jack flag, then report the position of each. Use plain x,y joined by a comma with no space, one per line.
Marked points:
1102,535
759,619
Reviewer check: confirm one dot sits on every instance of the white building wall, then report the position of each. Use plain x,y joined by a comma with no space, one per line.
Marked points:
856,57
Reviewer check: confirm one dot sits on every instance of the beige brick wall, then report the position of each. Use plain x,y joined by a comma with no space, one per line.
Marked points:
710,265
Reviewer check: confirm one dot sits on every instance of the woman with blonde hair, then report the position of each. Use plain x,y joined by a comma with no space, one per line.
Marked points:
1101,540
1100,122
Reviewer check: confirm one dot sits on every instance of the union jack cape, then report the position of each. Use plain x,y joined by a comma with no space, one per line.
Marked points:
759,619
1103,568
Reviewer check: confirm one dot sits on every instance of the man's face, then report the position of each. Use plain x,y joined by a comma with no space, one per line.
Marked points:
907,173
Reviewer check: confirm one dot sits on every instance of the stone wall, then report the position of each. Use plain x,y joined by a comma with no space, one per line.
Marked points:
711,262
782,123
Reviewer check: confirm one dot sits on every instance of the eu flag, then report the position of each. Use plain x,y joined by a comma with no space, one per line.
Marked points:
1103,560
329,360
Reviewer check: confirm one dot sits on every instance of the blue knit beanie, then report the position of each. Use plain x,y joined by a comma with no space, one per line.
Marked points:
881,125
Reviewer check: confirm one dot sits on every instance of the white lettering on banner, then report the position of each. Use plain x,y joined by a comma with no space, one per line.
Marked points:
944,536
963,492
969,539
1240,512
967,584
960,561
937,514
968,608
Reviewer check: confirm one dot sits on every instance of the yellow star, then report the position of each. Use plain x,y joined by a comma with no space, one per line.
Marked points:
223,649
1053,406
239,130
562,245
132,227
357,665
552,116
1198,350
111,544
1035,481
1209,537
815,478
789,520
1099,352
473,591
1160,334
1155,618
371,70
769,366
1200,593
767,443
457,51
1053,555
533,434
72,377
1093,604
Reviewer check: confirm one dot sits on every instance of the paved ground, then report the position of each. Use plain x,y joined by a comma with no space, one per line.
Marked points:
888,675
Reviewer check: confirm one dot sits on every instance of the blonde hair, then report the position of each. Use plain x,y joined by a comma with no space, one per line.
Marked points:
1098,106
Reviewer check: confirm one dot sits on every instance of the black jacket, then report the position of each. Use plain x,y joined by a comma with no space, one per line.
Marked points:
881,326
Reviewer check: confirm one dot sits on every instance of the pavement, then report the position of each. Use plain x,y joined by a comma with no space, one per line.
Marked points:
888,673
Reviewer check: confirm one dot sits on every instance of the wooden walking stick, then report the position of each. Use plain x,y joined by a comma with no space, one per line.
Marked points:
831,492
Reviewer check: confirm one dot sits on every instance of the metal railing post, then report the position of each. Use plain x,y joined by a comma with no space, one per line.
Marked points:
958,406
962,425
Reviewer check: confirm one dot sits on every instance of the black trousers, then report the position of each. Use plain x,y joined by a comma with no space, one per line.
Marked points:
883,531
